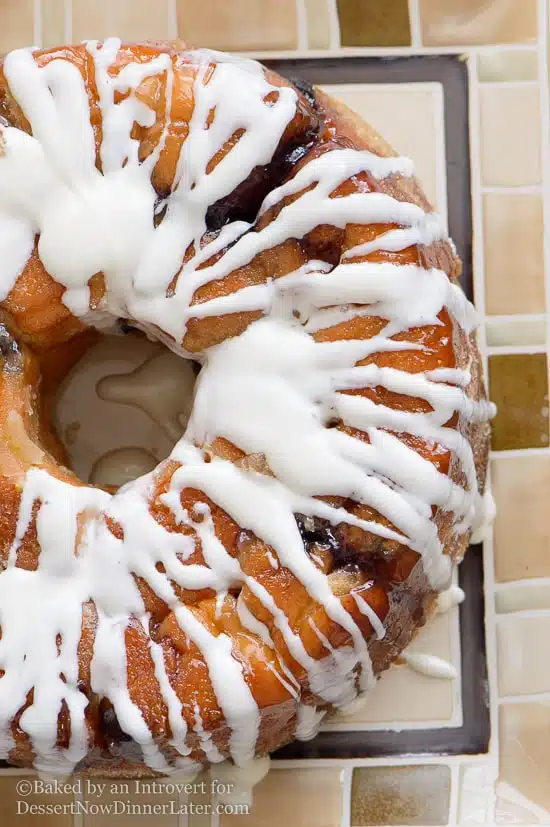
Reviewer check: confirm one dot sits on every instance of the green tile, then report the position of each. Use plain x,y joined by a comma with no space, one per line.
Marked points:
519,387
374,22
415,795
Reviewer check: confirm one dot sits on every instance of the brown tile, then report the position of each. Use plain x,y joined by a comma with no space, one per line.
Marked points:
131,803
521,486
496,66
400,795
525,750
15,807
521,669
308,798
53,23
513,235
129,19
510,136
519,387
372,23
16,24
477,21
238,25
318,24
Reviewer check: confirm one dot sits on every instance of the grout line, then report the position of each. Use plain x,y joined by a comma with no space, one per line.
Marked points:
455,793
336,50
415,24
513,318
511,350
37,23
440,157
545,140
509,84
536,697
382,761
68,20
531,582
518,453
346,777
532,189
173,19
334,27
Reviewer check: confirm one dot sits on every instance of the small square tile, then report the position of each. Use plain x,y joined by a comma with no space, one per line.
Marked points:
16,808
496,66
476,793
531,594
372,23
521,487
521,669
514,257
131,803
510,136
474,22
239,25
518,385
16,24
308,798
53,23
318,24
131,20
400,796
525,750
521,330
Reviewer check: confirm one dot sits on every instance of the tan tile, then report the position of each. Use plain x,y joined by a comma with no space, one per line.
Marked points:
496,66
129,19
308,798
477,21
513,235
16,808
372,23
525,750
400,795
128,803
532,594
53,23
16,24
318,24
521,486
238,25
521,669
518,385
409,117
510,136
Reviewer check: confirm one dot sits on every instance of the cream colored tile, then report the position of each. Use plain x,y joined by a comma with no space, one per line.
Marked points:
521,669
238,25
521,486
308,798
495,66
16,24
127,803
513,808
531,594
16,808
510,136
410,118
131,20
53,23
525,750
514,256
427,699
519,331
400,795
478,21
476,793
318,24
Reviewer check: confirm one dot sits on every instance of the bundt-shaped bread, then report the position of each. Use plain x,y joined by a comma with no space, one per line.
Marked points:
334,463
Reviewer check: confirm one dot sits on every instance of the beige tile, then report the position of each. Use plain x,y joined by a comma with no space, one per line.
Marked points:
525,750
514,256
521,486
410,118
519,331
478,21
16,24
127,803
531,594
53,23
510,136
308,798
129,19
238,25
521,669
476,793
400,796
318,24
496,66
427,699
15,807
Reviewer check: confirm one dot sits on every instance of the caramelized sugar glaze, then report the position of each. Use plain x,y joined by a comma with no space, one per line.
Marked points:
334,463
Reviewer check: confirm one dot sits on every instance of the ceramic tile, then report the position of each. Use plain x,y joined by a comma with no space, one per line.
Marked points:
140,807
477,21
521,669
476,794
514,255
521,485
513,808
15,808
16,24
239,25
371,23
128,19
53,23
510,136
410,118
496,66
530,594
519,387
525,750
318,23
400,795
309,798
515,331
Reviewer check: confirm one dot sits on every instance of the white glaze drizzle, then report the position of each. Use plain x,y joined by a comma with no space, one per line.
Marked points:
429,665
271,391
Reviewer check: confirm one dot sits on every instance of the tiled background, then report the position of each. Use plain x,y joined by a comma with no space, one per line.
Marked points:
504,43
